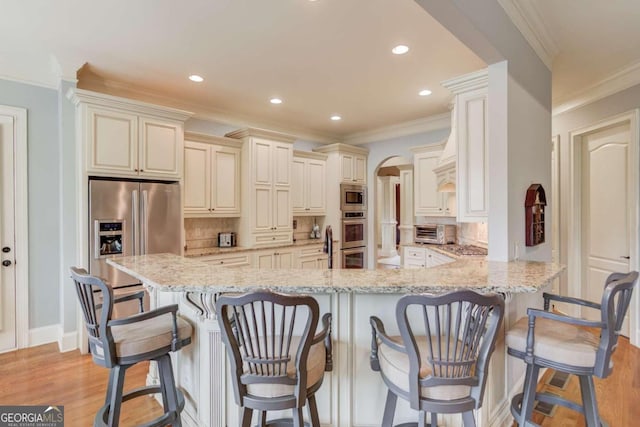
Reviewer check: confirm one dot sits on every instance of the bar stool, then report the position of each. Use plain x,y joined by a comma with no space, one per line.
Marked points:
277,361
119,344
439,362
560,342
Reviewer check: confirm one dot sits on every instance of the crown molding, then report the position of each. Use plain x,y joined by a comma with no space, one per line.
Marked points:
476,80
616,82
344,148
529,21
427,124
261,133
211,139
310,155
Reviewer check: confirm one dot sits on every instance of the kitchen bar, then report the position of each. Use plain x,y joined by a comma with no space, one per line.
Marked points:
353,395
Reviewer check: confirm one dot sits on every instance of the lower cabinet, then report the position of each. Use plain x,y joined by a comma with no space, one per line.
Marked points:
423,258
274,258
305,257
242,259
312,258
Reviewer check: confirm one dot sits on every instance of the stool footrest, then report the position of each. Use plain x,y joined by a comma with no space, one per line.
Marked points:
102,417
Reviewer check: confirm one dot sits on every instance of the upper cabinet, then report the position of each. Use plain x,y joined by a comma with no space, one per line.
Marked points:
308,183
211,176
266,167
427,200
472,183
126,138
354,168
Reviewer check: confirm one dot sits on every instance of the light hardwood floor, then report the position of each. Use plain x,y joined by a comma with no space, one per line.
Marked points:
43,376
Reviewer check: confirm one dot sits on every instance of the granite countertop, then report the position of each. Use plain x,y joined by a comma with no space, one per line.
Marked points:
198,252
452,254
168,272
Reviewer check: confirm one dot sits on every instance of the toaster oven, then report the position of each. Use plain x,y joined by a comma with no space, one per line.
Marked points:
439,234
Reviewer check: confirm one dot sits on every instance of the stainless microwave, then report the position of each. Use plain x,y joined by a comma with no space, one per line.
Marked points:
440,234
353,197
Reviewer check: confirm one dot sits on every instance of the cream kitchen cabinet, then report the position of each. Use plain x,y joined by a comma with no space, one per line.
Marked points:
427,200
414,257
126,138
276,258
238,259
312,258
267,215
446,184
472,183
354,168
211,176
308,183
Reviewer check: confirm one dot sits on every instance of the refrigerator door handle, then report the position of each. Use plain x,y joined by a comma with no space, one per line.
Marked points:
135,222
145,222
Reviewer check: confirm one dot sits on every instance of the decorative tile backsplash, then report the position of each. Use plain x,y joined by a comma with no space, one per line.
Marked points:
304,224
476,233
203,232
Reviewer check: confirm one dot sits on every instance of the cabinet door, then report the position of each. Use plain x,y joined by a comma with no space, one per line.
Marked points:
161,148
282,214
285,258
323,263
263,215
316,187
359,169
427,199
346,161
262,163
197,179
113,141
264,260
225,181
298,186
473,173
308,263
282,159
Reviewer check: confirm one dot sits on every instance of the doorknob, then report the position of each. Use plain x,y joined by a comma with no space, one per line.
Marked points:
6,249
6,263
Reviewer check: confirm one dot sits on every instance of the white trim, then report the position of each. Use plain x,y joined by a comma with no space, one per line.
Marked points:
44,335
427,124
622,79
475,80
21,223
529,21
67,341
573,238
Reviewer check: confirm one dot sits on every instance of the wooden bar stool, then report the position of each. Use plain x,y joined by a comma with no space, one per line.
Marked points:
119,344
572,345
277,360
439,362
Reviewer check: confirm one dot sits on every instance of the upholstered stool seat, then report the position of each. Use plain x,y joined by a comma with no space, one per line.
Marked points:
276,358
572,345
118,344
439,362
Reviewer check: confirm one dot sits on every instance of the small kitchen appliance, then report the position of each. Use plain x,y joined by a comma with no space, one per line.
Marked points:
226,240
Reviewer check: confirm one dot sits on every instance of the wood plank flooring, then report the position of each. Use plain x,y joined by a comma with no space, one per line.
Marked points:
43,376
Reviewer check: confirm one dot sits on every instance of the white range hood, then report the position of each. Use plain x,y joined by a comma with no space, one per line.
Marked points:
447,162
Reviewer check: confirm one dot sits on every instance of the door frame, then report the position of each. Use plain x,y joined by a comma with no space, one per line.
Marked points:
574,241
21,222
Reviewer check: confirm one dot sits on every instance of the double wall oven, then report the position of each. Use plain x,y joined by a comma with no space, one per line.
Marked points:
354,225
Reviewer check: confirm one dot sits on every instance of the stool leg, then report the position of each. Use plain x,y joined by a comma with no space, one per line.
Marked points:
468,419
434,420
589,402
169,388
115,398
245,418
422,419
313,411
262,419
530,384
298,420
389,409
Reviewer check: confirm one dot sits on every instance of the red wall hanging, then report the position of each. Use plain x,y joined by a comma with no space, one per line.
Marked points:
534,206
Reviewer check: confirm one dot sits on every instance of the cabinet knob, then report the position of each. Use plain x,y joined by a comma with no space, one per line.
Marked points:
273,238
6,249
141,170
6,263
221,262
136,170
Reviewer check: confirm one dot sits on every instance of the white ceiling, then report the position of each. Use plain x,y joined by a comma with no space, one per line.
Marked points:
321,57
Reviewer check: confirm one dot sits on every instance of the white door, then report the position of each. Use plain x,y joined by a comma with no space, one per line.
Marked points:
605,210
7,236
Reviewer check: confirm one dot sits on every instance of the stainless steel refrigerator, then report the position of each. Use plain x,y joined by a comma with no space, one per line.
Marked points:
128,217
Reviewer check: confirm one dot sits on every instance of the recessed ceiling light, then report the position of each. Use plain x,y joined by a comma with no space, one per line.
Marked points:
275,101
424,92
336,118
400,49
196,78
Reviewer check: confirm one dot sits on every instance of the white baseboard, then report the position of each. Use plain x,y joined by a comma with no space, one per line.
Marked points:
53,333
67,341
44,335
